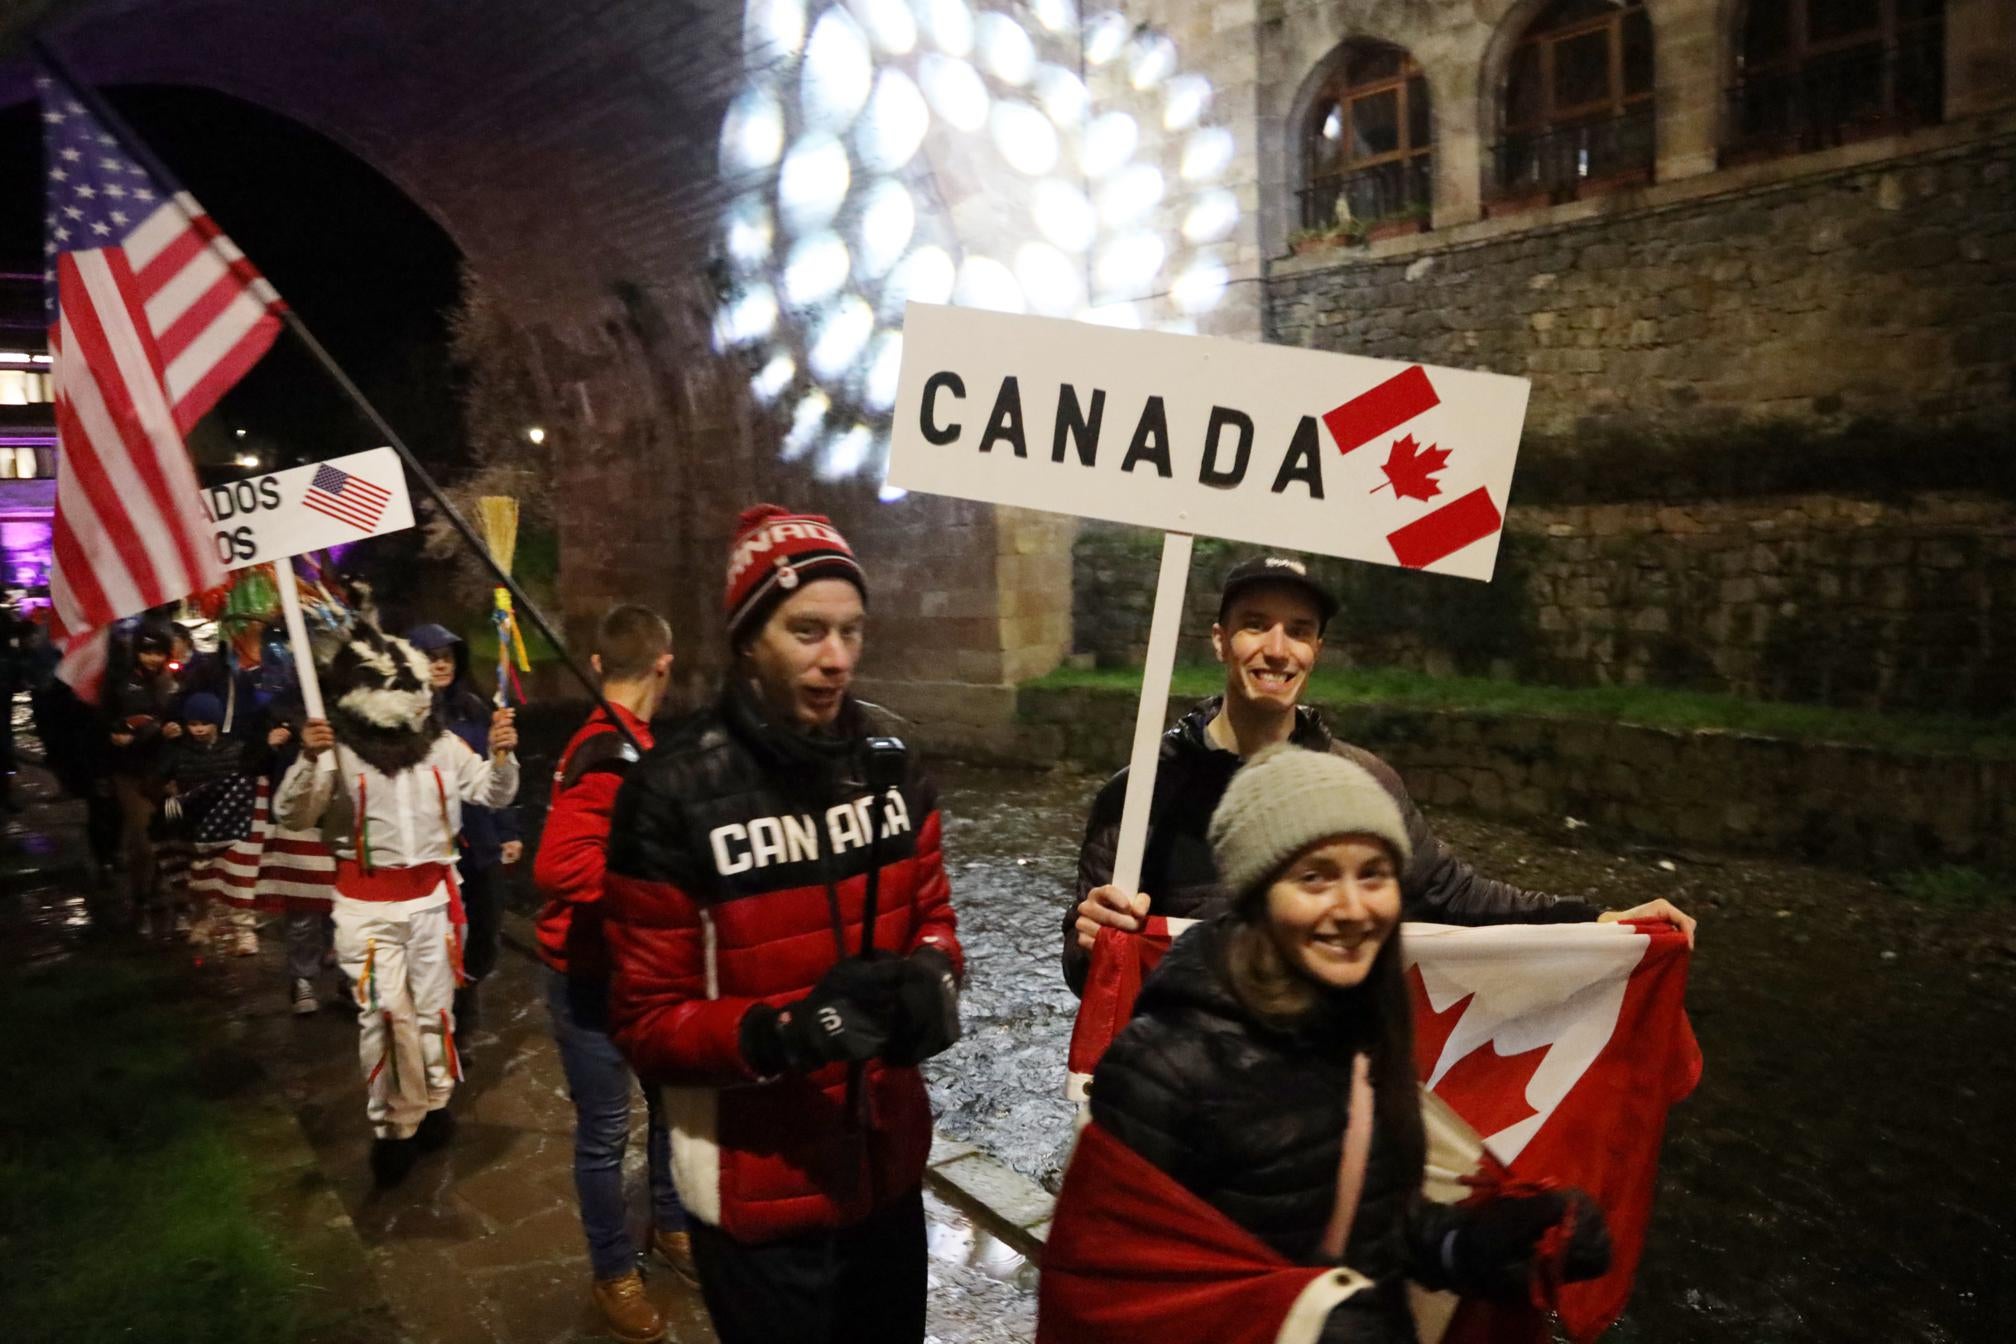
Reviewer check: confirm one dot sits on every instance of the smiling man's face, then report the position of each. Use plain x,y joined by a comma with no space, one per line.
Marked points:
1268,641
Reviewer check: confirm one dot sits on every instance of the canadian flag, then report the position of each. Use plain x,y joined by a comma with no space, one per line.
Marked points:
1413,468
1562,1045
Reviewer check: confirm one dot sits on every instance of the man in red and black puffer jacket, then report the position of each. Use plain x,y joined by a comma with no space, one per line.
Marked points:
746,855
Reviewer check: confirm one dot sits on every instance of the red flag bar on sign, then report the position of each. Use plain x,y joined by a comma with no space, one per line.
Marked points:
1381,410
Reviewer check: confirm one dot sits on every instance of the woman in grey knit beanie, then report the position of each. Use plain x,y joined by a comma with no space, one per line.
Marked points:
1269,1071
1312,846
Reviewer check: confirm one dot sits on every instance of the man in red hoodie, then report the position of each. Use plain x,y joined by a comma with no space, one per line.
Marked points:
633,657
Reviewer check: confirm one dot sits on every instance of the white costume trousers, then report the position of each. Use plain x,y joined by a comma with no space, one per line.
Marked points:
401,965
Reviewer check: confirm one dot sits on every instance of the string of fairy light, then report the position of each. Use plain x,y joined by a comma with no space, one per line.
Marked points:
988,153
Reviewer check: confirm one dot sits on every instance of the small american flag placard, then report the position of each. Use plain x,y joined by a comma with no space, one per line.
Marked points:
346,498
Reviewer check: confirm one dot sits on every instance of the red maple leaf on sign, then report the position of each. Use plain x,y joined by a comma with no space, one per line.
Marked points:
1410,469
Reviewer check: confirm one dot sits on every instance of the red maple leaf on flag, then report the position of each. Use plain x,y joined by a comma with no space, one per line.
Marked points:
1410,469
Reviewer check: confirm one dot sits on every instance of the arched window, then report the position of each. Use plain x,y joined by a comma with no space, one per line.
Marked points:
1577,111
1814,73
1368,141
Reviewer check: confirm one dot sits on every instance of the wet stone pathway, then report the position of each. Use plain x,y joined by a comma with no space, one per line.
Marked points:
1837,1175
482,1242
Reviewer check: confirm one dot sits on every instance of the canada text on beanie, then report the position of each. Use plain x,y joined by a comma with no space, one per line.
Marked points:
775,551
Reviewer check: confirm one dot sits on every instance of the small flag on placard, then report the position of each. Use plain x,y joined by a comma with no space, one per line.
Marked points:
346,498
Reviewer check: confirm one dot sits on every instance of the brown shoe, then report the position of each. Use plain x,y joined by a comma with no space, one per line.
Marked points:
676,1250
631,1317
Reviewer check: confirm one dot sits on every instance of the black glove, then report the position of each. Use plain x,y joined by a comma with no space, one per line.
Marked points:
927,1008
846,1017
1493,1253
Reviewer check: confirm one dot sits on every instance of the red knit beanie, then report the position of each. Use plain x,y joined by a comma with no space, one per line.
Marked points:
776,550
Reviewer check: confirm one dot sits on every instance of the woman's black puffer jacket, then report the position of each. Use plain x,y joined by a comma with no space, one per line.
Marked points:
1251,1119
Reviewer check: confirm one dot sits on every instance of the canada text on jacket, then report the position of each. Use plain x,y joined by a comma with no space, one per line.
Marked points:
741,846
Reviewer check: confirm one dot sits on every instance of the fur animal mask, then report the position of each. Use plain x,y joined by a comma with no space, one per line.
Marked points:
380,701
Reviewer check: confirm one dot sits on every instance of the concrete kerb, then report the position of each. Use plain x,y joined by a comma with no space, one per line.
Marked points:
1000,1199
997,1197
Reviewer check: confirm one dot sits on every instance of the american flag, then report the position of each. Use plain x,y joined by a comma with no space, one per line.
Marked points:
152,315
346,498
266,868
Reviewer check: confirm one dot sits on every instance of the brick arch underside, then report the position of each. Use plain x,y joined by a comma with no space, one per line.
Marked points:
572,158
552,149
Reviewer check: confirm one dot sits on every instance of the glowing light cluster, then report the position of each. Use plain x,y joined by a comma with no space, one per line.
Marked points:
950,151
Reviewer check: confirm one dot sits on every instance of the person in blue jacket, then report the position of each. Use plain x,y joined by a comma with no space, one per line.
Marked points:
490,839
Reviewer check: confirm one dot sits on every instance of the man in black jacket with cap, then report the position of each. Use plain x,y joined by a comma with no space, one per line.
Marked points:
1269,633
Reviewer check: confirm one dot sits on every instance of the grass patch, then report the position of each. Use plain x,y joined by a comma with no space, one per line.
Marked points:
1957,887
125,1207
1651,707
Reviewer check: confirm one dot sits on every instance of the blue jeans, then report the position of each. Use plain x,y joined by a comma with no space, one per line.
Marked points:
599,1081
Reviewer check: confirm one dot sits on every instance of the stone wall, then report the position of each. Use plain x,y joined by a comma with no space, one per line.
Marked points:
1830,802
1904,605
1882,290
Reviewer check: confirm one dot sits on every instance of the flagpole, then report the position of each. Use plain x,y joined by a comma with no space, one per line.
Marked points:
95,102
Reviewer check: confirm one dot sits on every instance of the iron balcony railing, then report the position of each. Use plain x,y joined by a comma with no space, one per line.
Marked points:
1394,190
1877,89
1559,160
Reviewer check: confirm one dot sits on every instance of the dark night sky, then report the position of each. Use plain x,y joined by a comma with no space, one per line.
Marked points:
370,273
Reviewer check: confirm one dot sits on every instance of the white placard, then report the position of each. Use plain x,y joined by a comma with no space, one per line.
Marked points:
1291,449
308,508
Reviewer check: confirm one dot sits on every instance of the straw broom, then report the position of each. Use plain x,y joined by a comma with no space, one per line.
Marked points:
498,516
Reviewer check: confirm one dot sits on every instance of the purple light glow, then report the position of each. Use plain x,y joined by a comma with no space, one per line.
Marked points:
25,552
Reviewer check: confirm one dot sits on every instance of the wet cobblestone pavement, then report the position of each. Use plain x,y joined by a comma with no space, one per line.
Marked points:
1838,1175
481,1244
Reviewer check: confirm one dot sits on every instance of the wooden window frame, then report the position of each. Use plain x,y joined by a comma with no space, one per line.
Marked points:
1340,95
1889,35
1405,173
1615,103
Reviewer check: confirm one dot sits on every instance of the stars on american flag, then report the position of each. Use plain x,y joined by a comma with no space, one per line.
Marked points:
98,194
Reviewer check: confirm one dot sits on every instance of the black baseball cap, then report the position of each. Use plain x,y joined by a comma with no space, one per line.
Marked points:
1277,569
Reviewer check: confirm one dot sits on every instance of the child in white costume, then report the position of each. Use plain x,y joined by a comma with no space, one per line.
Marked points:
385,784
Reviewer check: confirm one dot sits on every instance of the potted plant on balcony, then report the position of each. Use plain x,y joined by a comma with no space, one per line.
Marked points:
1620,179
1414,219
1344,233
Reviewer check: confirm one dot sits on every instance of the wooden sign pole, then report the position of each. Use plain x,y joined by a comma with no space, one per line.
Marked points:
297,635
1163,629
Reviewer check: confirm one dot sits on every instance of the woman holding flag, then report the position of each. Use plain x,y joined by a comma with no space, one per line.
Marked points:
1254,1164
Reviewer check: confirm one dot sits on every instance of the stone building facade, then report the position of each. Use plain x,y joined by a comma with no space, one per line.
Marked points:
1769,375
1738,321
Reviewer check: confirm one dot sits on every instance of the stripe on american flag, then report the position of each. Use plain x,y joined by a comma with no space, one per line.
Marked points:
269,869
153,315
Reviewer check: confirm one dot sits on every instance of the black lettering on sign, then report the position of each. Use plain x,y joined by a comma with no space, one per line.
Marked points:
218,501
243,544
1211,474
926,420
1005,424
1151,440
1072,421
269,492
1302,463
246,498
